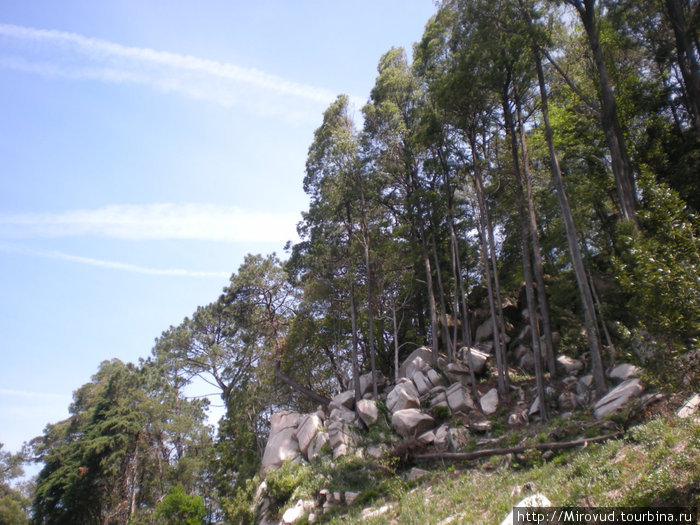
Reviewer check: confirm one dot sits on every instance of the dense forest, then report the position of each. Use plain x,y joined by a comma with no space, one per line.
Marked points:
532,160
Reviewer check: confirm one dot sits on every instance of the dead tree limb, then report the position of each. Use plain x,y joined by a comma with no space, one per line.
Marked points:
465,456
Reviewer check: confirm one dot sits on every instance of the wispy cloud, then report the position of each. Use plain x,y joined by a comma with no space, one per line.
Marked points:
29,394
113,265
70,55
155,221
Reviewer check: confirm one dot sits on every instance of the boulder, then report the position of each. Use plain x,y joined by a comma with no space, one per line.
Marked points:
342,414
344,399
423,352
440,400
489,402
366,383
440,441
689,407
423,384
570,365
417,364
534,501
458,399
584,385
478,357
367,410
484,330
280,447
411,422
283,419
458,373
617,398
295,513
416,473
403,396
623,372
427,437
306,431
434,378
316,445
527,362
457,438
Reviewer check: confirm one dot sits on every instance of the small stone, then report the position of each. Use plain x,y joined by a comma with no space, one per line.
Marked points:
689,407
623,372
350,497
416,473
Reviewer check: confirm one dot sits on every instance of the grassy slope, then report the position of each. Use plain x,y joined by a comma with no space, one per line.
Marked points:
656,462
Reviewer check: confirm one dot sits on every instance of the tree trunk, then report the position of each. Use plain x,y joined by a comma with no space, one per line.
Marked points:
431,296
525,244
686,54
624,181
355,361
493,292
443,306
571,237
536,250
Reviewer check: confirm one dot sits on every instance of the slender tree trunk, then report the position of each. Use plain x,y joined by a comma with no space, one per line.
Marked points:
396,340
624,181
431,297
492,289
443,306
686,53
536,250
571,237
370,309
355,361
525,244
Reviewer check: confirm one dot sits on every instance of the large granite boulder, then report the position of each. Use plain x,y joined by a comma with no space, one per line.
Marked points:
411,422
280,447
458,399
617,398
479,359
404,395
426,356
283,419
309,425
344,399
367,410
423,384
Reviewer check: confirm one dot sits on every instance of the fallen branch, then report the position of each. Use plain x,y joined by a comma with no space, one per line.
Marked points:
464,456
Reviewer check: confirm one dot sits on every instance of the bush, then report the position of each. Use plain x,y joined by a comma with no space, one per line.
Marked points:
180,508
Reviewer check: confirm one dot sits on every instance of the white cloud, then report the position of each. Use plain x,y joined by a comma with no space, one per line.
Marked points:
70,55
156,221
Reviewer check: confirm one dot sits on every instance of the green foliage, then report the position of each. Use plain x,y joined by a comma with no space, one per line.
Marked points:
180,508
658,269
282,482
441,413
239,507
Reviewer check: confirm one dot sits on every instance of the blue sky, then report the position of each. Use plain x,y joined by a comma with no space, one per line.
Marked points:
146,147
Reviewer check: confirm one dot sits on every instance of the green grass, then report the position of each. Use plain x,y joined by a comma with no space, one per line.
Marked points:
656,463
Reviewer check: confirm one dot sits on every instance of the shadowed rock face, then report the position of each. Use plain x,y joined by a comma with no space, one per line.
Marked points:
411,422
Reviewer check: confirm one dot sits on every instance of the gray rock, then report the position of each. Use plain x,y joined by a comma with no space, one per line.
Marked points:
623,372
617,398
403,396
344,399
280,447
295,513
478,357
315,448
689,407
585,384
367,410
411,422
416,473
457,438
458,399
527,362
350,497
484,330
342,414
440,441
570,365
306,431
489,402
427,437
536,500
366,383
283,419
434,378
423,385
423,352
439,400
